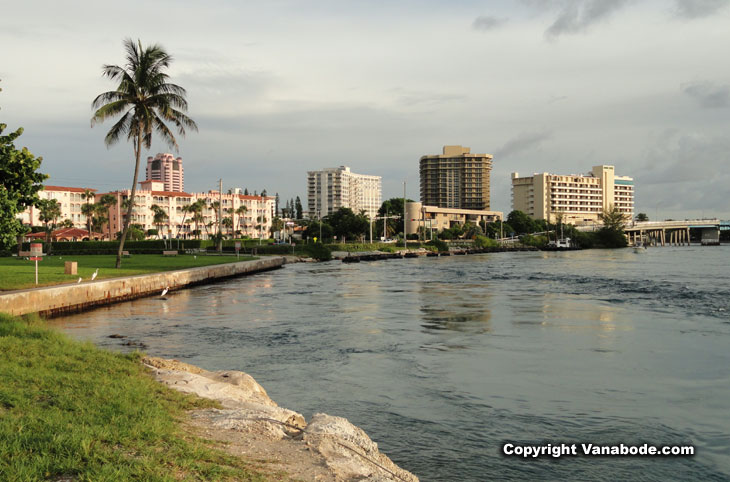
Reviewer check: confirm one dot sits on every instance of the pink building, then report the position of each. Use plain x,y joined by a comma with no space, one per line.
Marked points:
254,223
167,169
70,200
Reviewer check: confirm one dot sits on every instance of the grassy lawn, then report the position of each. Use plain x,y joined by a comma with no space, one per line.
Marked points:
69,410
17,273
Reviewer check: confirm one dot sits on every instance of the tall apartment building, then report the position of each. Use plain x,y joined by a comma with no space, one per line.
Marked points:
580,199
167,169
333,188
456,179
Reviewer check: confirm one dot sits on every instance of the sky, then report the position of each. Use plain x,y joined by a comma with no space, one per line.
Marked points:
278,88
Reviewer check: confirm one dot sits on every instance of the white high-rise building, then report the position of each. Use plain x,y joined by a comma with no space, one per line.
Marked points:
338,187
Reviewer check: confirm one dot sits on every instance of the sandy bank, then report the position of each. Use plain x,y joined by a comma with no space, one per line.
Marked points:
326,448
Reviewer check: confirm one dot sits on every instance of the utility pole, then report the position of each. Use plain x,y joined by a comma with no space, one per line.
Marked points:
220,215
405,235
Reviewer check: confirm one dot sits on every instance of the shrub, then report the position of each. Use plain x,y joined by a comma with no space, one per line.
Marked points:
439,245
318,251
485,242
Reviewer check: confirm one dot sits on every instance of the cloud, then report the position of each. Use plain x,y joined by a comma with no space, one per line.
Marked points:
708,94
485,23
575,16
522,143
685,172
692,9
412,98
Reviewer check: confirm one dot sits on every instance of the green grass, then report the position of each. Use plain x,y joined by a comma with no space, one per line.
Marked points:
71,410
17,273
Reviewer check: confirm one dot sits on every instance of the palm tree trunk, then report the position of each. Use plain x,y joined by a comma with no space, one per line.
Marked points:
137,152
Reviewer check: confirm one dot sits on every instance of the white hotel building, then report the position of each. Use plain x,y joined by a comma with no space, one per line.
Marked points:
331,189
580,199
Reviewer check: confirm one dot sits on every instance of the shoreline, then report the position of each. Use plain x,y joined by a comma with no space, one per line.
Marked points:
251,424
50,301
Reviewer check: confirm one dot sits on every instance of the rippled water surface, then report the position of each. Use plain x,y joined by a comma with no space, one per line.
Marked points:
442,360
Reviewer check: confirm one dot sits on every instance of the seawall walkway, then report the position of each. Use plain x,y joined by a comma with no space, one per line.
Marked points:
54,300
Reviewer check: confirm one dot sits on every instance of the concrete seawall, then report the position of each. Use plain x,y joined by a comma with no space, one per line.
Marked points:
54,300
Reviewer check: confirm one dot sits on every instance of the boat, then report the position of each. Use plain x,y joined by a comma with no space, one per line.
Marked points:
562,244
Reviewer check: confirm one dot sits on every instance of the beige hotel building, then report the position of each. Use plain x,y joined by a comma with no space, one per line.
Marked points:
580,199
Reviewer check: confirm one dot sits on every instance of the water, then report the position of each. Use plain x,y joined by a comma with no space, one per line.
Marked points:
442,360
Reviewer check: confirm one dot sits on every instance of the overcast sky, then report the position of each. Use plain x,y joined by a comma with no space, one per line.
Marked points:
278,88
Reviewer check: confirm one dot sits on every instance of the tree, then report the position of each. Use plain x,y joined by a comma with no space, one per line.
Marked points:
347,224
277,224
298,208
107,201
48,211
145,100
611,235
391,207
241,213
245,191
19,187
228,223
99,217
67,223
642,217
158,217
521,222
263,193
185,210
88,210
318,229
613,218
276,204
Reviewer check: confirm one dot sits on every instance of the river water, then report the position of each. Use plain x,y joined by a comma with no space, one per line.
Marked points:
443,360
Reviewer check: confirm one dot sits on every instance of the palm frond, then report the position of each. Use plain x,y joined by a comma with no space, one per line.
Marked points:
109,110
121,127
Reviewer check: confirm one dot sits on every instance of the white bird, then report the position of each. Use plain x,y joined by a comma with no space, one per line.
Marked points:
93,276
164,292
79,281
195,256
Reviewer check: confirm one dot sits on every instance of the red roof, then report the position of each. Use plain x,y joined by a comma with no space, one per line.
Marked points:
66,233
67,189
171,193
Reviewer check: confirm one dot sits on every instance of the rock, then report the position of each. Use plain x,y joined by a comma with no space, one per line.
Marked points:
349,452
171,364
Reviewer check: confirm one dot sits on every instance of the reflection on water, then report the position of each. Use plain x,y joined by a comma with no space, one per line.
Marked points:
441,360
445,306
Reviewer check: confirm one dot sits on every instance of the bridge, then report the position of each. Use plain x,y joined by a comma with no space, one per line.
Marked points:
675,233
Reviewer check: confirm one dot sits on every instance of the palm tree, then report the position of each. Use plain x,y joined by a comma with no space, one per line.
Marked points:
159,217
48,211
145,100
67,223
185,210
241,212
88,210
107,201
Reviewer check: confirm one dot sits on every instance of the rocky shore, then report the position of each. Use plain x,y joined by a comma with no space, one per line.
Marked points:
327,448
